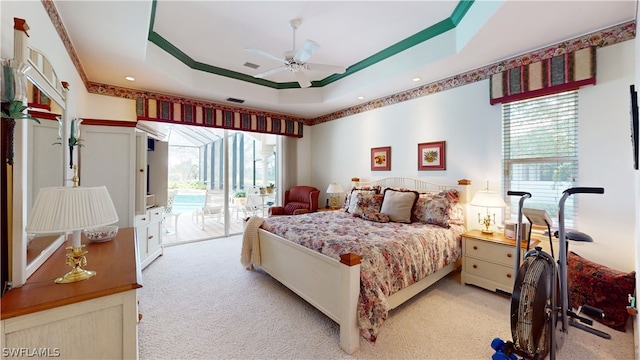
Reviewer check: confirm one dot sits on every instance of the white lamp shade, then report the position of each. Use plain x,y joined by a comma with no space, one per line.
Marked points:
488,199
334,189
59,209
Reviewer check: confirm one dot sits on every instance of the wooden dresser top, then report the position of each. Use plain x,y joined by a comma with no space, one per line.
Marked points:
115,263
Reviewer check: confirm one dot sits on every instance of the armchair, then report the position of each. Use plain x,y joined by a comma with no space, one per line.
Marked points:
297,200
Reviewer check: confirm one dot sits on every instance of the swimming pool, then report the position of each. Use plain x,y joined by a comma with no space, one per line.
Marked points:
188,202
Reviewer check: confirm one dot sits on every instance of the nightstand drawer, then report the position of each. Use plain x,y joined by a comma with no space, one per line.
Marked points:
497,253
502,275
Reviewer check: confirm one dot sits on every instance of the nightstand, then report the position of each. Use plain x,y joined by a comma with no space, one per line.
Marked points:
488,260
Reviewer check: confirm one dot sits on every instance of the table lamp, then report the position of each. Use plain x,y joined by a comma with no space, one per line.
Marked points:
487,199
333,190
63,209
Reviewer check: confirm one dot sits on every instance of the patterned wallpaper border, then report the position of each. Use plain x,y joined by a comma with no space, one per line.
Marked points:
601,38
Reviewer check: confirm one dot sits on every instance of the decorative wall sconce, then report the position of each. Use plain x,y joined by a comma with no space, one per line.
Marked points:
13,96
74,136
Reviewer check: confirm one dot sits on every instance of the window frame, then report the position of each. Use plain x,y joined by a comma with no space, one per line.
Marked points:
520,117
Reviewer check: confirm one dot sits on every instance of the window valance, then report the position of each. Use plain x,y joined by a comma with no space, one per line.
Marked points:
210,115
549,76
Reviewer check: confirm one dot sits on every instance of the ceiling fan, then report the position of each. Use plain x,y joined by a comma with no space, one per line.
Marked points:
296,61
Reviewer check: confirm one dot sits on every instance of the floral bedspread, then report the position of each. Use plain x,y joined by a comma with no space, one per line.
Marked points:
393,255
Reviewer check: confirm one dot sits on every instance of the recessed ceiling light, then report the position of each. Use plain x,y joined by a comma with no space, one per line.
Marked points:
416,79
360,97
130,78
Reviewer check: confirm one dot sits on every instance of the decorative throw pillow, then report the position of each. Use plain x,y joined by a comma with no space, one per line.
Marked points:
375,216
456,215
601,287
399,204
351,201
436,208
366,201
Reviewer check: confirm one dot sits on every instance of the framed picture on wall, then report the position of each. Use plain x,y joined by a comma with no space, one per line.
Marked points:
381,158
432,156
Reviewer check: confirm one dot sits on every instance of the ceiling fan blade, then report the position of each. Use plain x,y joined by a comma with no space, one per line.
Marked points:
303,80
262,53
269,72
334,69
307,50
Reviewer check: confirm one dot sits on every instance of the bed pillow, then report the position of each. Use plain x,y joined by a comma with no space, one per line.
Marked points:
351,201
399,204
366,202
376,217
456,215
437,208
601,287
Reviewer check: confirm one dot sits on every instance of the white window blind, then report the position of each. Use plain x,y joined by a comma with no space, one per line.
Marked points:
540,153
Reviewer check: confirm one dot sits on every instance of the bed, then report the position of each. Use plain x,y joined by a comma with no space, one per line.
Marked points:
357,263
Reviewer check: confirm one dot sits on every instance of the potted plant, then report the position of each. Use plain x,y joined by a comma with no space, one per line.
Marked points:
12,111
240,198
271,188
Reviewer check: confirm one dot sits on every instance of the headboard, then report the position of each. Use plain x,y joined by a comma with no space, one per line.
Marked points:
423,186
420,186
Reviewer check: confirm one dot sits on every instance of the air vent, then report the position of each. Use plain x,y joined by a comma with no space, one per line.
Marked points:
239,101
251,65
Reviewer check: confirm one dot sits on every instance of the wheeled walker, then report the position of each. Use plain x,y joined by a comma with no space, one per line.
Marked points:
540,310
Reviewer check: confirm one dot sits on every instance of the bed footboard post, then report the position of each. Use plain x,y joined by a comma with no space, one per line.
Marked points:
350,282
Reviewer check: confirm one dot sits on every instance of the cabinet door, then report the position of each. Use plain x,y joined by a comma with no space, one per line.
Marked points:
107,157
141,176
141,237
155,230
153,237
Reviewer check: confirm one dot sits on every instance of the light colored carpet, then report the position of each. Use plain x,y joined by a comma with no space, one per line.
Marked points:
198,302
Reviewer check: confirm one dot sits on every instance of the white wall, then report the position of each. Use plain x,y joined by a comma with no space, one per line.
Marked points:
462,117
471,127
606,160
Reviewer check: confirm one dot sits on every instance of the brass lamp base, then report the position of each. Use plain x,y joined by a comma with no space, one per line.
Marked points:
334,202
74,275
486,221
76,259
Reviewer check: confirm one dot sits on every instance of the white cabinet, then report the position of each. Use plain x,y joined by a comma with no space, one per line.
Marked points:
107,157
102,328
149,234
151,172
95,318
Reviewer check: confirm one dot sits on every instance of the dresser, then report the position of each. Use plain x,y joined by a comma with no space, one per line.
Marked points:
488,260
95,318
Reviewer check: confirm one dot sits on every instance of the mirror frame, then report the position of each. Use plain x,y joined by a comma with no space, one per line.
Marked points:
42,75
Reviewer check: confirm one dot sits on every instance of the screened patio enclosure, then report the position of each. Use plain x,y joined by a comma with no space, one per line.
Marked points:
211,169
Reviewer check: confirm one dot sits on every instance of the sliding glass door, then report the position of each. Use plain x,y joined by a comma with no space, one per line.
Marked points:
221,177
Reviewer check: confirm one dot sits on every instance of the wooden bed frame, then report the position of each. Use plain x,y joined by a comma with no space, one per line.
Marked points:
333,286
